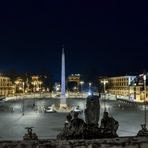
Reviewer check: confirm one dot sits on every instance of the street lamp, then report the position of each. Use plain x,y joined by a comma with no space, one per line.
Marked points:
23,88
23,99
90,91
23,108
40,87
34,89
81,84
104,84
90,84
144,131
144,78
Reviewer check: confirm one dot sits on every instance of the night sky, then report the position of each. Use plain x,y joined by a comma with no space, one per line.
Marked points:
108,36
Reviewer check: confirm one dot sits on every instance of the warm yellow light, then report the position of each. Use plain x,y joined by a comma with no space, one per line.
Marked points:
104,81
81,82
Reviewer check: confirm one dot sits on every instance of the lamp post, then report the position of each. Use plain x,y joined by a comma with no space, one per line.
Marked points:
90,84
81,84
40,87
144,131
90,91
23,108
104,84
144,78
23,87
23,99
34,88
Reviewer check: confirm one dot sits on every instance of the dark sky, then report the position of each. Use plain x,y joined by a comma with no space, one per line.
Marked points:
109,36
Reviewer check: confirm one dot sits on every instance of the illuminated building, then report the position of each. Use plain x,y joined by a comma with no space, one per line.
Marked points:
6,86
74,78
73,82
138,91
19,85
37,83
125,87
120,86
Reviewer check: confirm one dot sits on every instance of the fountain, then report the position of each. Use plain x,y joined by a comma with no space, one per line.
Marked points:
76,128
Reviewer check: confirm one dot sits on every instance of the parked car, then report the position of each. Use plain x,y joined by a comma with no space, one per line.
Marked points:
50,109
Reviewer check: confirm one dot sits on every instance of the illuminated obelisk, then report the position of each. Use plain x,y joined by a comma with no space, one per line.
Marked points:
63,87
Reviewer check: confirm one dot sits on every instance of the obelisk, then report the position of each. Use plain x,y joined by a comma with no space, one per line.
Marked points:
63,87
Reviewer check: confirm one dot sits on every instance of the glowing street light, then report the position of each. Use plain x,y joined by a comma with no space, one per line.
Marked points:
90,90
89,84
81,83
23,108
144,78
23,87
104,84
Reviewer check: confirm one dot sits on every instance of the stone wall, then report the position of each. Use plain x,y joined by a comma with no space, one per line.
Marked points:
124,142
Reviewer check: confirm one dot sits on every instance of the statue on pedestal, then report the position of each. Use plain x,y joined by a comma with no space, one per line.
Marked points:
76,128
30,135
92,111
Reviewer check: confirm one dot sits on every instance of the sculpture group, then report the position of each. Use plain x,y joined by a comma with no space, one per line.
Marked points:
76,128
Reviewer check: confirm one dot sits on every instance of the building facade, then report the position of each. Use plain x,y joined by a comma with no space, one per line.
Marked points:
124,88
19,85
120,86
74,78
36,83
6,86
139,90
73,82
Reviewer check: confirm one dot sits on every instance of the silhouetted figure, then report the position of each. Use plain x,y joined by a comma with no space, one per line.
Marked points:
77,125
68,121
69,117
33,106
143,131
109,125
73,128
30,135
